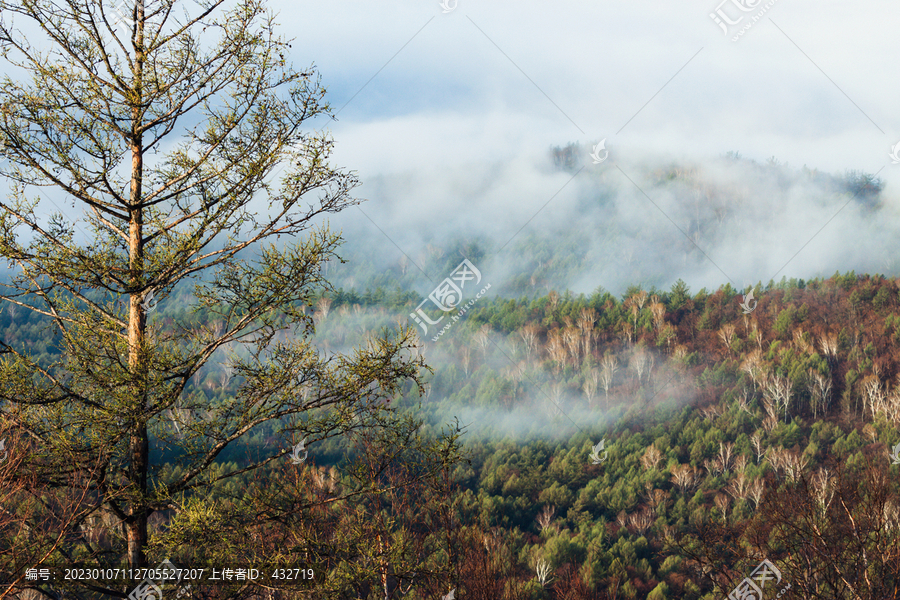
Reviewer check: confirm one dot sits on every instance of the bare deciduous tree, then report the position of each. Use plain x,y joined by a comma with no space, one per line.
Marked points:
640,521
465,354
757,335
743,401
659,314
756,489
556,397
726,450
726,334
739,487
657,500
586,325
553,296
754,366
640,362
685,478
874,395
545,517
828,342
722,502
556,347
572,340
608,367
651,458
483,337
591,384
542,570
529,334
777,390
756,441
819,391
323,307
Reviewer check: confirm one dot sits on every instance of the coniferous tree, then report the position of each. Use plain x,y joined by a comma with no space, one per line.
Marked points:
178,136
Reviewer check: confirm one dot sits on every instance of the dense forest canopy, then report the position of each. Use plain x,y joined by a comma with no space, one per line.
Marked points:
713,420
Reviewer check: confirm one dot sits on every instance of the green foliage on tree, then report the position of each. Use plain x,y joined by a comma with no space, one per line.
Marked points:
182,143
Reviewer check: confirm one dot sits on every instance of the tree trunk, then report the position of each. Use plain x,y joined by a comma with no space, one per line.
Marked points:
136,524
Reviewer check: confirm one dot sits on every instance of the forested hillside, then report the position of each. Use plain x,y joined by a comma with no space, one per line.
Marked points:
728,438
732,437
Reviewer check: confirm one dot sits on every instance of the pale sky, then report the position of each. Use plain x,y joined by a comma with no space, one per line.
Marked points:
447,119
810,83
447,116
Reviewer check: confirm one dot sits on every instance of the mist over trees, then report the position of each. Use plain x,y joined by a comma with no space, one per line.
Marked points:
195,368
706,221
